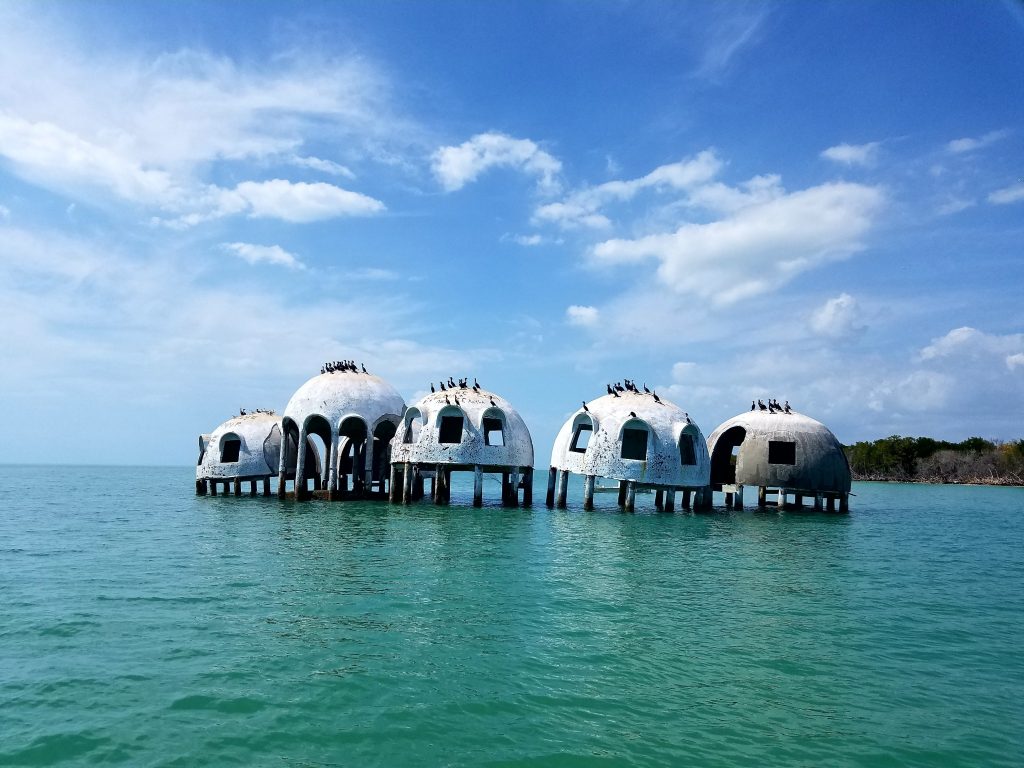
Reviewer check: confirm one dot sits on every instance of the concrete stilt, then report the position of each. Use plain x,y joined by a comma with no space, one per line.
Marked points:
659,500
393,486
737,499
622,493
417,484
237,487
781,502
552,479
438,486
798,500
213,487
300,468
844,502
266,486
528,487
728,499
588,492
670,499
200,487
478,486
630,495
506,491
513,489
817,502
407,483
686,498
252,487
762,496
563,488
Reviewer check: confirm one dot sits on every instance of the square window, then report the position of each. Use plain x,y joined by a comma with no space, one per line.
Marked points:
634,444
781,452
229,451
451,429
494,433
687,452
581,439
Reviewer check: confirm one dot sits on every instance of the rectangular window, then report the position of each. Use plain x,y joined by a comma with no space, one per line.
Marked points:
581,439
781,452
229,451
493,432
451,429
687,453
634,444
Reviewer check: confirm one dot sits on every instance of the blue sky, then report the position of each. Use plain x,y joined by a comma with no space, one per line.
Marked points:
200,204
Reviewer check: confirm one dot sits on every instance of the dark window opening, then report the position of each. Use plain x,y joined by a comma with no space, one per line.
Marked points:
494,433
451,429
581,440
412,432
229,451
781,452
202,451
687,451
634,444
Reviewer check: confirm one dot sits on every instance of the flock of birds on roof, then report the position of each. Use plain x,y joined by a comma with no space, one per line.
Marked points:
453,385
242,411
628,385
342,366
772,407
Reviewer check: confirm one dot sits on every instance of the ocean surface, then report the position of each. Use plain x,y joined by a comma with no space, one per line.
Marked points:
143,626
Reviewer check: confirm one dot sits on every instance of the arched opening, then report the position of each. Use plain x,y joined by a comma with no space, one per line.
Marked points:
289,444
382,435
582,431
272,448
687,448
492,426
318,435
230,447
723,460
413,426
352,452
451,423
634,440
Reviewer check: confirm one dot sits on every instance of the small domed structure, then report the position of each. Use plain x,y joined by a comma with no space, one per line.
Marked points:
788,452
245,447
638,438
354,414
463,429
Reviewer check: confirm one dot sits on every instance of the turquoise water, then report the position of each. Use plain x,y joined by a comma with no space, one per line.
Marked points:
141,625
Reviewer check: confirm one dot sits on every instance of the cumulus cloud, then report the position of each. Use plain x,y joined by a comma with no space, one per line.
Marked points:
837,318
757,249
302,202
1011,194
970,342
324,166
1015,361
582,208
582,316
456,166
960,146
267,254
853,154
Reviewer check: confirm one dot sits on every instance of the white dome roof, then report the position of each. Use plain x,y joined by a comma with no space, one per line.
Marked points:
259,448
335,396
609,416
421,425
809,457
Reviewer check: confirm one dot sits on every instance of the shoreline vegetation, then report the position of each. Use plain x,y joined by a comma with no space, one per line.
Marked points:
975,461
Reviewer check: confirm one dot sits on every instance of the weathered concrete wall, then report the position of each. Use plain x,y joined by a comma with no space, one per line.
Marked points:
335,396
260,437
474,406
664,420
820,462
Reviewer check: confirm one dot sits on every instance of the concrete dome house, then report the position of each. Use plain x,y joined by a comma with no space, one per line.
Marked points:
463,429
641,440
354,415
780,453
243,448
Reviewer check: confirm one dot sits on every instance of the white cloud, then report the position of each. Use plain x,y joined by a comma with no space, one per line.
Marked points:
324,166
960,146
5,212
582,208
455,167
757,249
302,202
584,317
954,205
269,254
853,154
728,33
374,273
970,342
529,240
683,371
837,318
1011,194
1015,361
